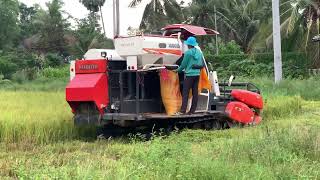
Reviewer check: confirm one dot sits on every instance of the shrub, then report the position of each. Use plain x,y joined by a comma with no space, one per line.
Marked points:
256,65
25,75
54,60
224,48
230,48
20,76
18,60
7,68
55,73
4,81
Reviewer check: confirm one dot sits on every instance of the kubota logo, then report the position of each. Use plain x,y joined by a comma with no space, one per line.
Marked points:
88,67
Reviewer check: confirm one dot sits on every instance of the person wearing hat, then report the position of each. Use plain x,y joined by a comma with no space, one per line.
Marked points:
191,65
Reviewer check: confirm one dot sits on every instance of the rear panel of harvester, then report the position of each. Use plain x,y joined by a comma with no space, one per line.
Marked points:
135,98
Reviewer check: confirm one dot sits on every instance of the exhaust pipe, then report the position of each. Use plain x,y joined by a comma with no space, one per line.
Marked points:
116,19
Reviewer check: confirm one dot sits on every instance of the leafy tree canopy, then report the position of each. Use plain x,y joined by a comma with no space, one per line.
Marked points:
9,29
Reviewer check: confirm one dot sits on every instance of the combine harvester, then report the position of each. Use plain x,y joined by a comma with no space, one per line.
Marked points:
121,87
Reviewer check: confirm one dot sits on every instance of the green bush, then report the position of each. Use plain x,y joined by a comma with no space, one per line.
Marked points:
230,48
256,65
224,48
55,73
54,60
232,61
20,77
19,60
23,75
7,68
3,81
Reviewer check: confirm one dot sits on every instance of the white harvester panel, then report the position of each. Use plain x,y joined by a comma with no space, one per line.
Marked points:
132,63
72,69
94,54
149,49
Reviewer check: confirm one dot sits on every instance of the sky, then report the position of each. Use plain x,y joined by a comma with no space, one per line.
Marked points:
128,16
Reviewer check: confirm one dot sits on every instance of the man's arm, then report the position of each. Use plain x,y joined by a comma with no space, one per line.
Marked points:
184,63
179,61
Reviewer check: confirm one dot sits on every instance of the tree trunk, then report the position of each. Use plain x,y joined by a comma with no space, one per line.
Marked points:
104,30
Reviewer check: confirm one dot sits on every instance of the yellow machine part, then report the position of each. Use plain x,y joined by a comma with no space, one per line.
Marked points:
170,91
204,82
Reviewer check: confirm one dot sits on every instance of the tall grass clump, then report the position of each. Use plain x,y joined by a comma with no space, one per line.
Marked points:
308,89
260,153
277,107
40,84
35,117
32,79
55,73
285,153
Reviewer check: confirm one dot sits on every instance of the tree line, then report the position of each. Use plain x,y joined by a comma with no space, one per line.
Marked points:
247,22
33,38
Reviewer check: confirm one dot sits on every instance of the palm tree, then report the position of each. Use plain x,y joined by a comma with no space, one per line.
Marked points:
87,37
239,20
244,18
94,6
52,28
157,13
300,21
301,14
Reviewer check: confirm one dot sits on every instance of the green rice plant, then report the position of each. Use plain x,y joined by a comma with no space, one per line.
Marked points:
232,154
35,117
39,141
267,151
306,88
277,107
44,117
41,84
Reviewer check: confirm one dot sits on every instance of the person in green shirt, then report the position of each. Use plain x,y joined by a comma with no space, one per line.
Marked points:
191,65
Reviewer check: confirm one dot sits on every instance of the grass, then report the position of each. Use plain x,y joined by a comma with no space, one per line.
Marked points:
38,141
35,117
40,84
308,89
252,153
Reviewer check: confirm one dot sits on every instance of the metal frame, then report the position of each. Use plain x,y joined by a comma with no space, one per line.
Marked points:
137,94
138,89
247,86
158,116
138,116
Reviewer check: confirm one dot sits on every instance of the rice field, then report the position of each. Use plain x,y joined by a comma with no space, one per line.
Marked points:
38,141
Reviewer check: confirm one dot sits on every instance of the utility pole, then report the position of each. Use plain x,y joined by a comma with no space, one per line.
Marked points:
277,41
216,28
116,18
